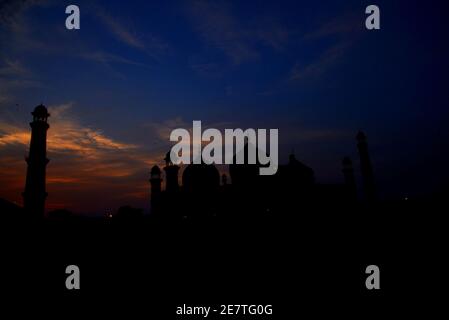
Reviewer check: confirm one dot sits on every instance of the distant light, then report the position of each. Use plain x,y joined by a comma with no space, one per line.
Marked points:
406,198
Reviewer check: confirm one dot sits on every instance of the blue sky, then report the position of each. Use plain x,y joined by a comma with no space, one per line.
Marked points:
132,72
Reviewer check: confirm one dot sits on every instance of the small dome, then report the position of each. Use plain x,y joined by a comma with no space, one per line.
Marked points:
40,112
155,170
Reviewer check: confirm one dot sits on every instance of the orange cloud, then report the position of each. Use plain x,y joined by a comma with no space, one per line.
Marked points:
88,170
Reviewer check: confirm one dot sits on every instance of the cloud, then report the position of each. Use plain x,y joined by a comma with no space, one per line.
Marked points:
150,44
88,169
22,37
13,75
13,68
239,41
316,68
108,59
272,33
67,136
119,31
11,10
4,98
218,27
341,32
163,129
344,25
209,70
313,135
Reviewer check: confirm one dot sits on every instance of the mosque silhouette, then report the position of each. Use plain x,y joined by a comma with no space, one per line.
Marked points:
203,194
210,236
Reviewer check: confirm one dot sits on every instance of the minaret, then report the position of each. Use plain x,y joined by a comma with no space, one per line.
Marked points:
171,175
155,181
35,194
348,172
367,170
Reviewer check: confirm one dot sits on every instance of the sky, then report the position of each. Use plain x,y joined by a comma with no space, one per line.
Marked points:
135,71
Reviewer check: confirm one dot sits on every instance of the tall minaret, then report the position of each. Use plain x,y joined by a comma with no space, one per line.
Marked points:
35,194
348,172
367,170
171,175
155,181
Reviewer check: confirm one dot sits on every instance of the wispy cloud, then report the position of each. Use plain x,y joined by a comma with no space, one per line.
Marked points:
123,34
11,10
341,31
219,27
163,129
13,74
23,38
317,67
345,25
303,134
149,43
207,69
13,68
67,136
107,58
4,98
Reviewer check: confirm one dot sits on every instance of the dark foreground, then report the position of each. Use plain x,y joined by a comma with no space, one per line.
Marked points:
299,263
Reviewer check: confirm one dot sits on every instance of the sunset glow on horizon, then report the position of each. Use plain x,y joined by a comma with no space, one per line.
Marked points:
116,88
